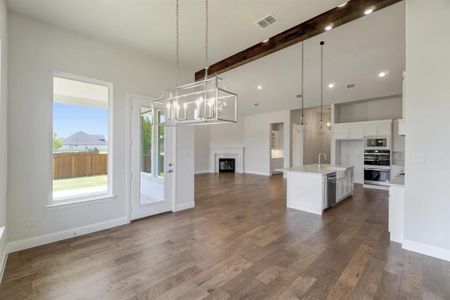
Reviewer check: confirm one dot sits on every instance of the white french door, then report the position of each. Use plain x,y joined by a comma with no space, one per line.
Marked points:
152,158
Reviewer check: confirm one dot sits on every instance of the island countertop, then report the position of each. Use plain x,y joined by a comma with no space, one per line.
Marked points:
314,169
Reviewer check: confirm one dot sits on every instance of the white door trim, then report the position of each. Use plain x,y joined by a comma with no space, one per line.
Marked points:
129,119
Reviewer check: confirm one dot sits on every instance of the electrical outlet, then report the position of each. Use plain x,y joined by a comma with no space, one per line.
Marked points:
31,222
418,157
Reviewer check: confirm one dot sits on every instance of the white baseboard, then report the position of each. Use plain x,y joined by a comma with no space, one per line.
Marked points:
202,172
429,250
64,234
376,187
258,173
183,206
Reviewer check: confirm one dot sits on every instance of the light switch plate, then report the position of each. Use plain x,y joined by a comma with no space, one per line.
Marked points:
418,157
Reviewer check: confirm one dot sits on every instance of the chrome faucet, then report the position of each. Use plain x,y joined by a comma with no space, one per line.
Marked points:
320,155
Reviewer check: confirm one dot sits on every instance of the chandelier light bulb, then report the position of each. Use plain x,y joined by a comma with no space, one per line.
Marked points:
211,102
199,101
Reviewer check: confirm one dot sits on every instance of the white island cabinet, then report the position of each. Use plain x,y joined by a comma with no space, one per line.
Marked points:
396,208
309,188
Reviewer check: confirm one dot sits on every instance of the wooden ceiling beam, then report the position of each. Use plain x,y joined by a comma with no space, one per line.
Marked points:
336,16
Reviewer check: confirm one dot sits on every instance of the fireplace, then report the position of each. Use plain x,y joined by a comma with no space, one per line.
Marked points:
227,165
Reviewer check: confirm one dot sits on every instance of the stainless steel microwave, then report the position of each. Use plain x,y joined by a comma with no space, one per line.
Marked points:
377,143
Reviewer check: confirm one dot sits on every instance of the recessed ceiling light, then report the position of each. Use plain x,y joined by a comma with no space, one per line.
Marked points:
382,74
368,11
343,4
265,41
331,85
329,27
259,87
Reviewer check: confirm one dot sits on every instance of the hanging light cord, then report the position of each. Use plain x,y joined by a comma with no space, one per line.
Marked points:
321,84
178,41
302,83
206,38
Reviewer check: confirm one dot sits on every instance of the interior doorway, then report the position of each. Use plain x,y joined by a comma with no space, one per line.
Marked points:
276,147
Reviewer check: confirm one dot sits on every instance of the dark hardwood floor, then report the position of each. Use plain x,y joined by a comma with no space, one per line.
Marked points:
240,242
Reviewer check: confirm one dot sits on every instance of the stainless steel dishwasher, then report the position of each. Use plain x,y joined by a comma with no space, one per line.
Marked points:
331,190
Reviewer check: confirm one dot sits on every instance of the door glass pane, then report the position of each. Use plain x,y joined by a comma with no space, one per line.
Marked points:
151,185
161,139
146,139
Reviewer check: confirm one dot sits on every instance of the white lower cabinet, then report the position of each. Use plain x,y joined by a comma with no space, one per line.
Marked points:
396,213
344,184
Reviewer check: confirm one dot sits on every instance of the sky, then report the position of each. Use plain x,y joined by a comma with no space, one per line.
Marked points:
69,119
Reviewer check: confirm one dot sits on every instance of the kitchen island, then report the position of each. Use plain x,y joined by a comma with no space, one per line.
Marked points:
313,188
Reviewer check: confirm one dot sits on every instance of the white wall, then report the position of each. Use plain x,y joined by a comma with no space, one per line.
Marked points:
228,135
257,140
201,146
185,168
427,99
37,49
3,129
369,110
221,135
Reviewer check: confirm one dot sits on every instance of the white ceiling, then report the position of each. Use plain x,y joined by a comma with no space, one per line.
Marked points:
149,25
354,53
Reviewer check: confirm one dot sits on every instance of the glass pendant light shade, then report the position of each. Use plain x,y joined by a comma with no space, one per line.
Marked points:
198,103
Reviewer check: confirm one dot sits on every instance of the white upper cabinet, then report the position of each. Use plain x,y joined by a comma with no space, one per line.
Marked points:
370,129
402,127
341,131
358,130
384,128
355,132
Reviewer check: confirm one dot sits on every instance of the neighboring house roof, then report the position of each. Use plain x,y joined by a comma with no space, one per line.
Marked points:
82,138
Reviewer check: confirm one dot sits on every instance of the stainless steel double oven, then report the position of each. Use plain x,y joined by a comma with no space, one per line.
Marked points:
377,161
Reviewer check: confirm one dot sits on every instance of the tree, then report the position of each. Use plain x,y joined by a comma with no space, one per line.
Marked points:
57,142
146,121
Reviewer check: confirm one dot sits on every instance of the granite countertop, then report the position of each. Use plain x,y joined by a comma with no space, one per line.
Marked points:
314,169
398,180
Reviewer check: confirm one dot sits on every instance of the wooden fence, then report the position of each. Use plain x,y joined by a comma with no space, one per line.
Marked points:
79,164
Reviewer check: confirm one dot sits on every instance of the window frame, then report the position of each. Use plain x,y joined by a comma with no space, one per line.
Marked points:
110,189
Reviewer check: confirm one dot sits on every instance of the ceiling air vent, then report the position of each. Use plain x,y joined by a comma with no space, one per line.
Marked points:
266,21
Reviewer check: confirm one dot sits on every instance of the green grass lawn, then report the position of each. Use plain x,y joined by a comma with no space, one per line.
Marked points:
79,182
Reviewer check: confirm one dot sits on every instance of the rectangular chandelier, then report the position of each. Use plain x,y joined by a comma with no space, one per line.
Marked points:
198,103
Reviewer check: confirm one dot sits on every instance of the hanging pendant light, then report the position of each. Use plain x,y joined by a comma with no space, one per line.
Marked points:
202,102
323,124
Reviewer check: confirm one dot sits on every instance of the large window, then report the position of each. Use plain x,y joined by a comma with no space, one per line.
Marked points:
81,138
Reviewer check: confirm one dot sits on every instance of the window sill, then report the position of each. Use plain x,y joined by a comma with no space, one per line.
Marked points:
80,200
